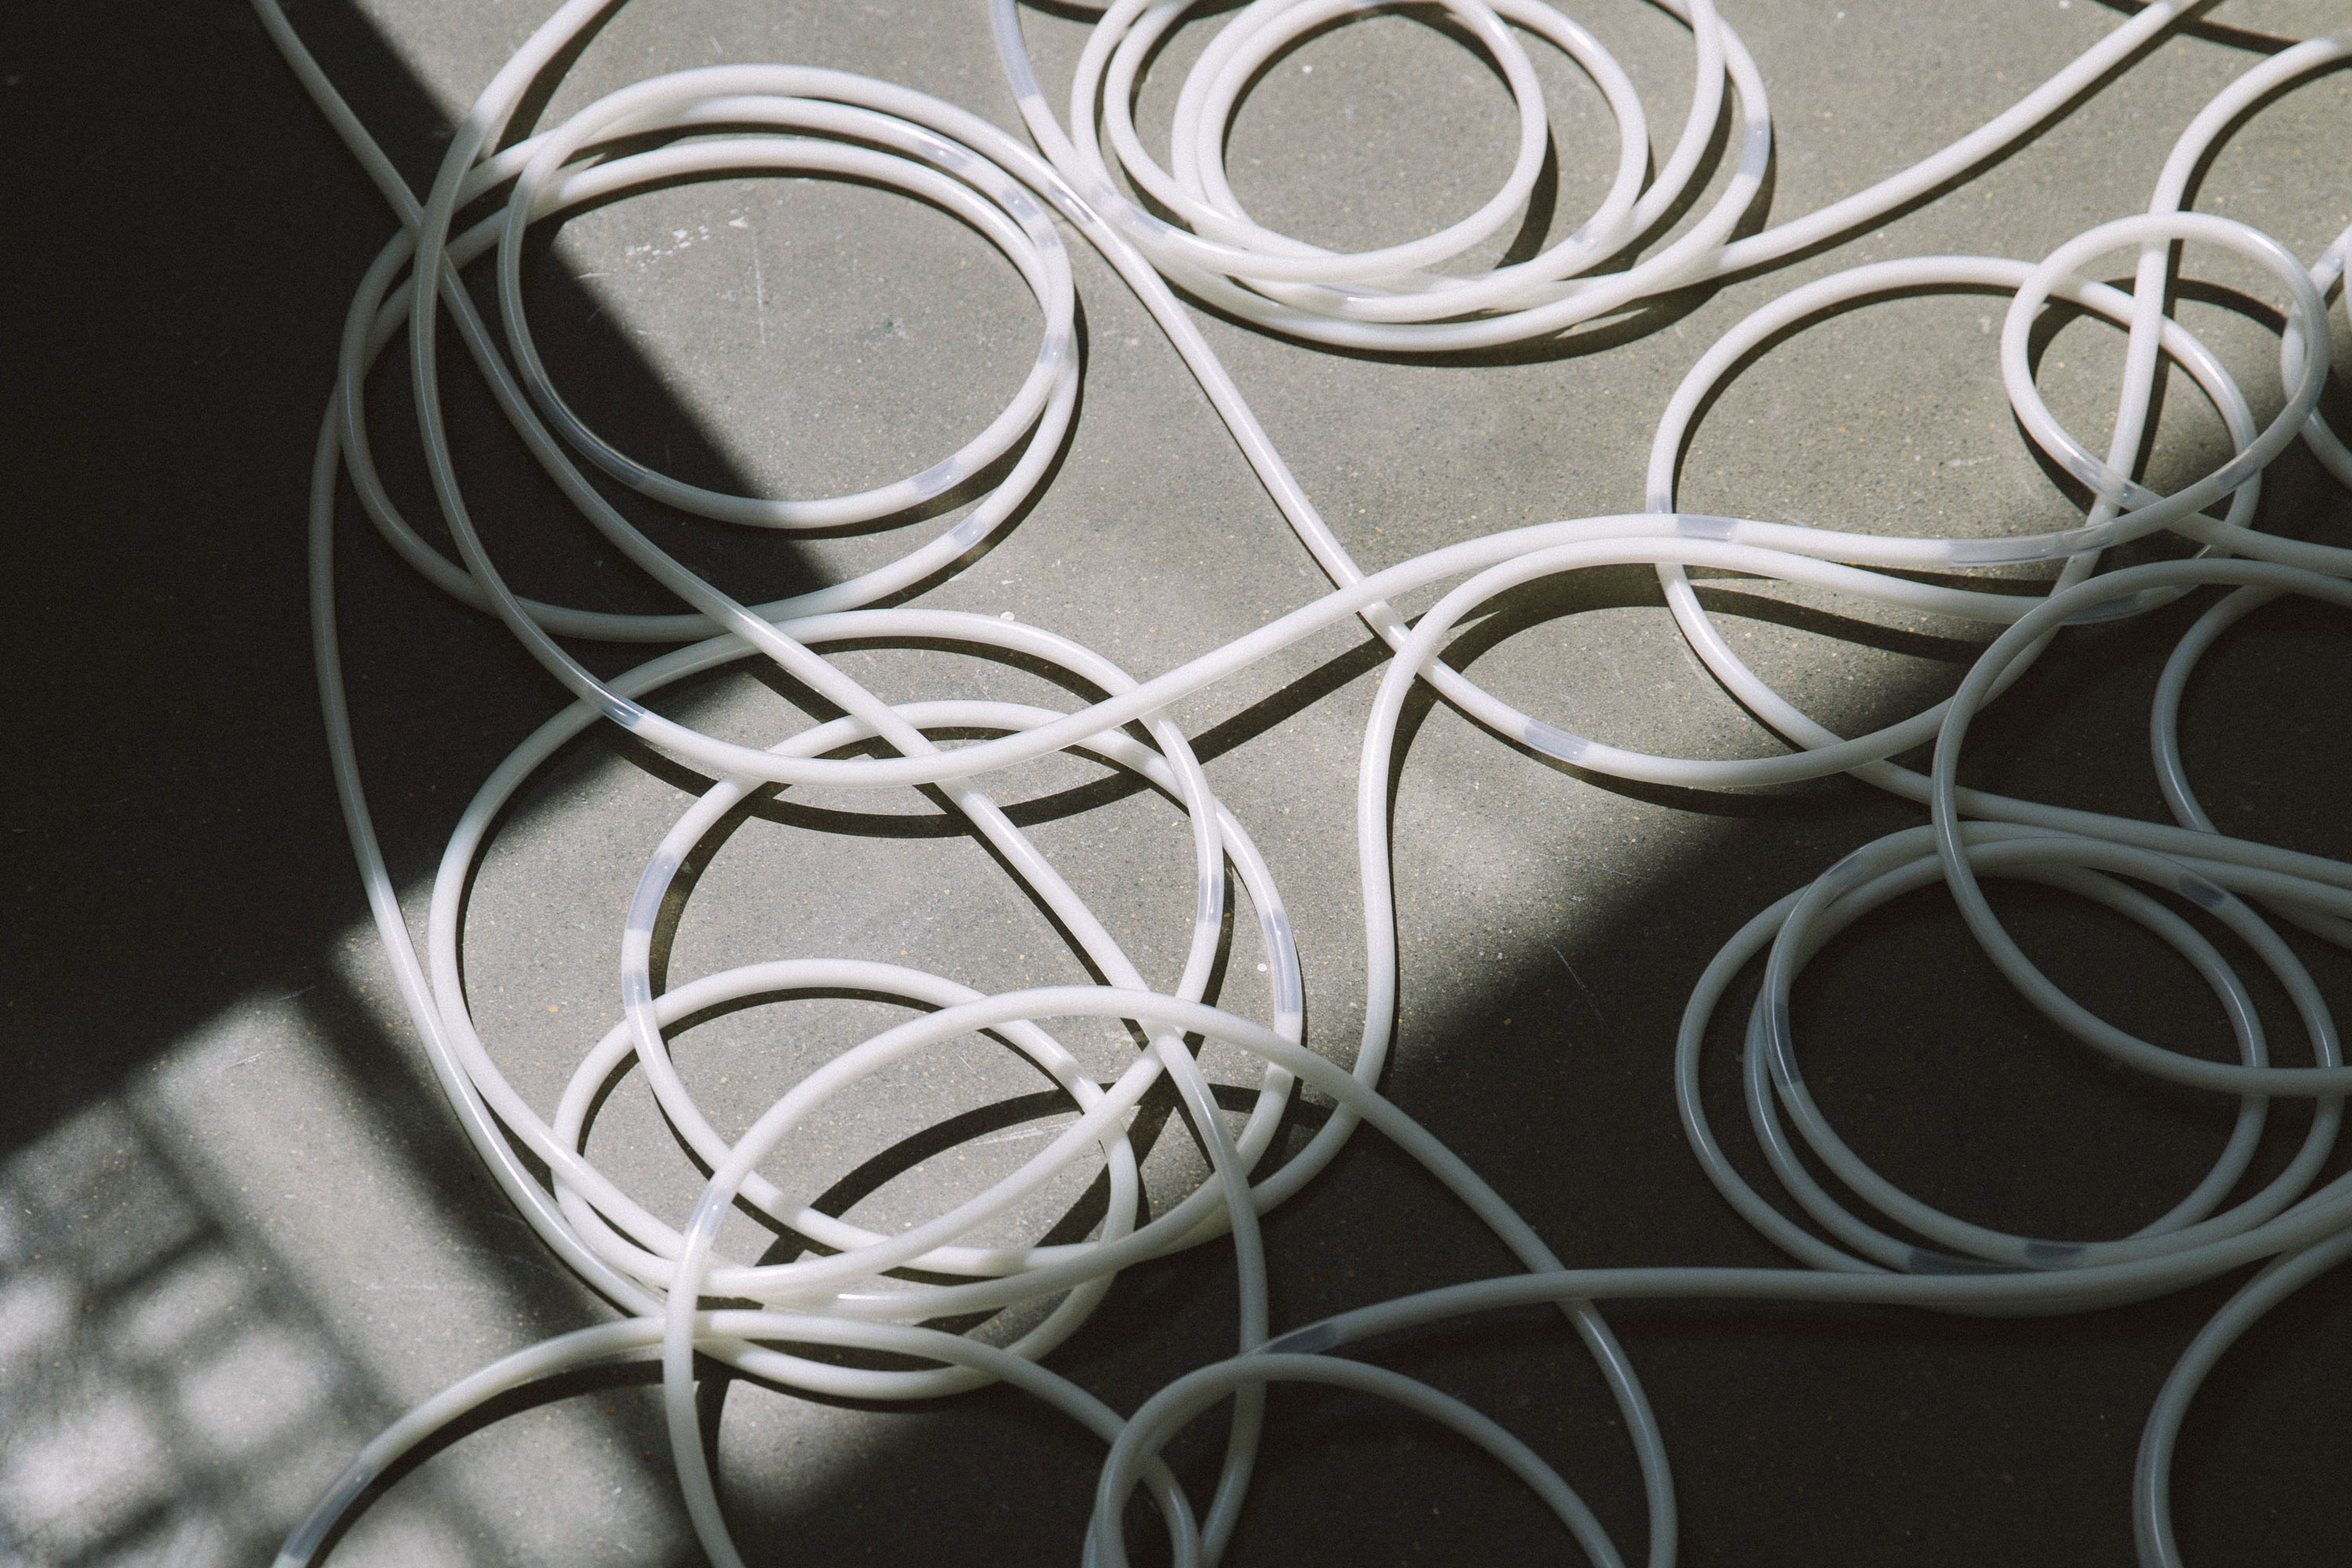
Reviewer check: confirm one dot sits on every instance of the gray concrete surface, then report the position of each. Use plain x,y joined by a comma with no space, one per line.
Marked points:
241,1232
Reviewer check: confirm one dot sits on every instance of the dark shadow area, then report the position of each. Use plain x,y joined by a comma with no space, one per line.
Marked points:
183,235
1800,1435
171,361
1804,1435
175,849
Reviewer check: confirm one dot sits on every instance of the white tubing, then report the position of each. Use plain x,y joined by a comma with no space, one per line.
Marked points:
1377,300
732,118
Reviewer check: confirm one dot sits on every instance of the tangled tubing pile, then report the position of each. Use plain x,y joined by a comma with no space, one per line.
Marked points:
730,119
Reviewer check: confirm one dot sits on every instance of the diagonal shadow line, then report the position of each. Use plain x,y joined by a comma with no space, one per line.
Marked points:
817,1527
258,885
1532,1166
160,961
118,833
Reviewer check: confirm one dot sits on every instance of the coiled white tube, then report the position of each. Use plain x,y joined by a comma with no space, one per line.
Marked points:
1381,300
815,120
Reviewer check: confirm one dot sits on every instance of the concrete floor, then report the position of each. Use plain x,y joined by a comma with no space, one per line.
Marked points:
240,1230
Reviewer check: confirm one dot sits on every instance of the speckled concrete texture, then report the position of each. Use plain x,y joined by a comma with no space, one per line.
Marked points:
241,1230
